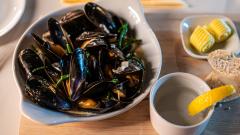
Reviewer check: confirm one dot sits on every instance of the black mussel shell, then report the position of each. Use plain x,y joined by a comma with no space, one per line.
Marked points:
131,78
42,92
45,50
58,34
130,66
93,44
88,35
94,70
30,61
78,74
100,17
75,23
115,53
98,89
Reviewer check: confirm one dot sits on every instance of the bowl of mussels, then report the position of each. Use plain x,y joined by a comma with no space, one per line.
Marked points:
87,62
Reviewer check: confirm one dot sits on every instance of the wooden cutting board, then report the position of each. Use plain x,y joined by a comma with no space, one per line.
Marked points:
136,121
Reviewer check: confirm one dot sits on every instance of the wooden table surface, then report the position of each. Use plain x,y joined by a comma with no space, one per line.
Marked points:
136,121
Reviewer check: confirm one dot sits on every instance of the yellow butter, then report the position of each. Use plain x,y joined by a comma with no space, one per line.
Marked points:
201,39
219,29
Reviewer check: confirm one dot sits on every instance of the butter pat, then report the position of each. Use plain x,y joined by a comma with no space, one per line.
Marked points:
219,29
201,39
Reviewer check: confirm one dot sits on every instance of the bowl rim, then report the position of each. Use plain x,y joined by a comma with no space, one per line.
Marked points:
187,50
135,102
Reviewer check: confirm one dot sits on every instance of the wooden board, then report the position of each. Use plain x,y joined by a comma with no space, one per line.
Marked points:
225,121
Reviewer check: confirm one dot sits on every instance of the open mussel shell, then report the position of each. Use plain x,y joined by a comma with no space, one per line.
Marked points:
58,34
129,66
75,23
98,89
127,90
88,35
101,62
115,53
78,74
44,50
100,17
42,92
94,44
30,61
96,108
130,76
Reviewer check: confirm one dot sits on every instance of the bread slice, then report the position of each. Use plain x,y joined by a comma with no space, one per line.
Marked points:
226,70
213,81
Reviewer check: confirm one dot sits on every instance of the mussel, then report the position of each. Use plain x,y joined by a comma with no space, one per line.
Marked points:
89,35
85,64
100,17
130,75
97,89
42,92
59,35
52,62
95,72
31,63
75,23
93,43
77,74
47,51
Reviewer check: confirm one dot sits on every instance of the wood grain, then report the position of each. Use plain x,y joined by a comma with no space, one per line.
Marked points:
224,121
135,121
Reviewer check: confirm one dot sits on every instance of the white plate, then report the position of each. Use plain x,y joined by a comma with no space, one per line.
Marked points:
189,23
10,13
131,11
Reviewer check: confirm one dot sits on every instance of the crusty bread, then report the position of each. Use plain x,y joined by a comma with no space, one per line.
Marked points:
224,62
226,70
213,81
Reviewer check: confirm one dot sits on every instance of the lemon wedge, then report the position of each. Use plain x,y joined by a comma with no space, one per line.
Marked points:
209,98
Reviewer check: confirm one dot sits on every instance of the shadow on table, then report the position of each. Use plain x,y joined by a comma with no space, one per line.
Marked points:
225,120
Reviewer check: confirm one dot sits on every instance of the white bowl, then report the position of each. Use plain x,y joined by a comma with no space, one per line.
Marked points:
11,12
172,83
189,23
132,11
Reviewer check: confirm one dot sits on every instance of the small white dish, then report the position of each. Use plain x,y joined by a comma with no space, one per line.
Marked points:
189,23
11,12
131,11
169,98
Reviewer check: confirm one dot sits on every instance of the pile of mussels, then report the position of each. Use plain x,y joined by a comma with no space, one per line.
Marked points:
85,64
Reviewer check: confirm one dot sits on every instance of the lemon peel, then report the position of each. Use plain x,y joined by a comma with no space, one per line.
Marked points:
209,98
